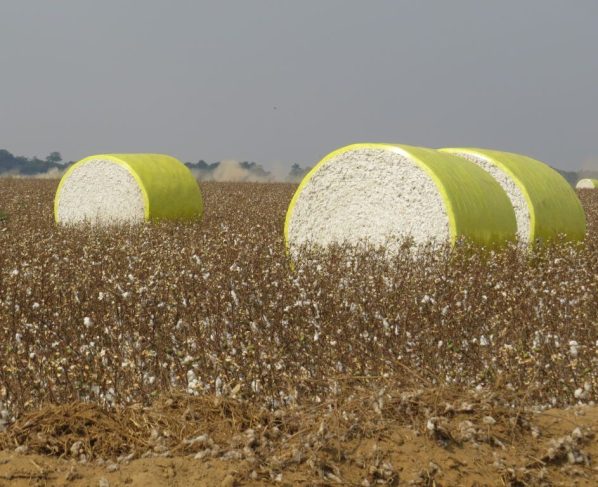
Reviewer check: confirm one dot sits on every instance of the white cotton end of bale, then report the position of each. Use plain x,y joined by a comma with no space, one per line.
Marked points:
520,204
100,192
587,183
368,195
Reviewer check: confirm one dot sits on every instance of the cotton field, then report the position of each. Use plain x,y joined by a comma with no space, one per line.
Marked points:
121,316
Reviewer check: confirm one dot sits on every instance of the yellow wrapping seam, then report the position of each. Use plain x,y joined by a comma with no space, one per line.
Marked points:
476,205
554,207
169,189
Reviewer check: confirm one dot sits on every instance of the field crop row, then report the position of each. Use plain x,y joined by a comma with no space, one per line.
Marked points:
118,316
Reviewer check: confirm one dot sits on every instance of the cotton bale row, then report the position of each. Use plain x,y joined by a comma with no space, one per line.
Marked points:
587,183
545,204
383,193
127,188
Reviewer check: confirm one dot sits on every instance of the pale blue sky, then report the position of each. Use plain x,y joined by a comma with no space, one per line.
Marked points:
278,81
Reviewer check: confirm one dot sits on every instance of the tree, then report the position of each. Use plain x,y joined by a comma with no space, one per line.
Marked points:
297,173
54,158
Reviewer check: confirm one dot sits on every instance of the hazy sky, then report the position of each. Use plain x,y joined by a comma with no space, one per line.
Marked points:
278,82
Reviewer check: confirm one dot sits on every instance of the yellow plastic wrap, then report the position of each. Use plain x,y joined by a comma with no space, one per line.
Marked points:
477,206
554,207
169,189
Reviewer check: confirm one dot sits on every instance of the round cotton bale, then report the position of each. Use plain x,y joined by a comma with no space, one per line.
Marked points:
545,204
127,188
587,183
383,193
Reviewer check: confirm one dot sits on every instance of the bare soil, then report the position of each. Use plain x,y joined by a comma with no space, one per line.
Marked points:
473,443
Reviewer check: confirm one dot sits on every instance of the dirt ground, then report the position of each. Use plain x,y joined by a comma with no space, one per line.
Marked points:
554,453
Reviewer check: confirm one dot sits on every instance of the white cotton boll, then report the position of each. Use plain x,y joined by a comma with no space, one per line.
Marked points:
586,183
583,392
193,383
514,192
109,396
573,348
331,207
537,341
484,342
87,322
117,196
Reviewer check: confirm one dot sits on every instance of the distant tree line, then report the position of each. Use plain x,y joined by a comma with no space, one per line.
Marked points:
250,171
20,165
11,165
